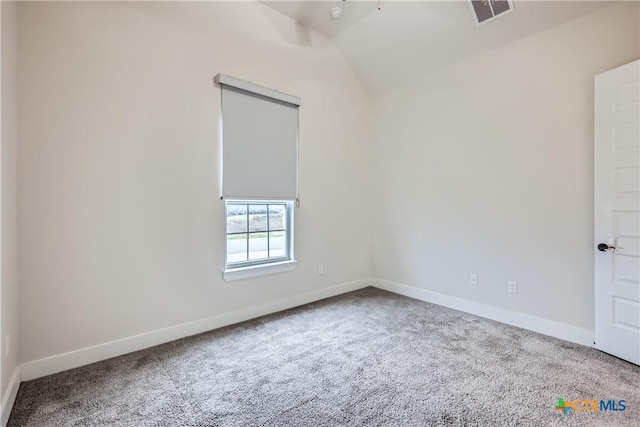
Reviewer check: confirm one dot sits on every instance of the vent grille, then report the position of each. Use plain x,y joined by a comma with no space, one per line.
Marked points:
487,10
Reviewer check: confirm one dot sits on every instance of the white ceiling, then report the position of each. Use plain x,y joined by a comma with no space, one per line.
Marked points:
408,39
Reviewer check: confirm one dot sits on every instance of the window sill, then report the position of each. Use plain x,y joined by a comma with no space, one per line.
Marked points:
258,270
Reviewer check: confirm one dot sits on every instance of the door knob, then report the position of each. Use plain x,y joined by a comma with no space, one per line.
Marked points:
603,247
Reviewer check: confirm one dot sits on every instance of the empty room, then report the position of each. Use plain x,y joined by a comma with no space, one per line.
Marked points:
320,213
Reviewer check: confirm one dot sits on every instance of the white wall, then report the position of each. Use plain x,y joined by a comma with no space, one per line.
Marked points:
487,167
483,167
121,226
8,209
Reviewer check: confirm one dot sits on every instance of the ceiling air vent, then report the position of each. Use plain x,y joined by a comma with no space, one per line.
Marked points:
488,10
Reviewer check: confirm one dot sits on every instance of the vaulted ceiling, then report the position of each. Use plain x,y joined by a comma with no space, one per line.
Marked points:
407,39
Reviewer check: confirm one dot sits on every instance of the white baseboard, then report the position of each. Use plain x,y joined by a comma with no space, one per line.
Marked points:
10,396
521,320
85,356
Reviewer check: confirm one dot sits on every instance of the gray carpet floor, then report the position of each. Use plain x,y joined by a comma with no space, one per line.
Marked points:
367,358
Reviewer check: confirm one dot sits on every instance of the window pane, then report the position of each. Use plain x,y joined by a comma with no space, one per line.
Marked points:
499,6
277,244
236,218
277,217
483,9
257,217
236,248
258,246
257,233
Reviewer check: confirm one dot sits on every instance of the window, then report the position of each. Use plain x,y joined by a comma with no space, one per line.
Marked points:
487,10
259,179
258,232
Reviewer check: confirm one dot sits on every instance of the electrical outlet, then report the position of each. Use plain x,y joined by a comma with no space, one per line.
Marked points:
512,286
473,279
320,269
7,341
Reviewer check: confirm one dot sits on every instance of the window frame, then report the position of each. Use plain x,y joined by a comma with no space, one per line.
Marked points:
252,268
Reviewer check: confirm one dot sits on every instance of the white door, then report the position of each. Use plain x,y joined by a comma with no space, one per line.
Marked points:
617,212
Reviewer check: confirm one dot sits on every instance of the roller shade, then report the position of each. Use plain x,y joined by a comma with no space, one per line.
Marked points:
259,141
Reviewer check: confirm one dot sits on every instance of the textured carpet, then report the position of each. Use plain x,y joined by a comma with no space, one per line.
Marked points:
367,358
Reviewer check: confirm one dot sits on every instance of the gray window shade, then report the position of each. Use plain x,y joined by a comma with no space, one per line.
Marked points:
259,141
